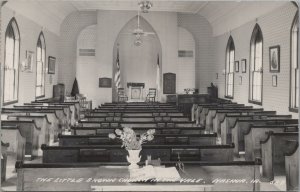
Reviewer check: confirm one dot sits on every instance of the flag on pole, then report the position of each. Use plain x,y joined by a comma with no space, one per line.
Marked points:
158,74
118,72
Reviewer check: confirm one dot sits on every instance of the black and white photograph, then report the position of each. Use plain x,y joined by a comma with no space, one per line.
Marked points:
51,65
29,61
274,80
244,65
274,58
149,95
237,66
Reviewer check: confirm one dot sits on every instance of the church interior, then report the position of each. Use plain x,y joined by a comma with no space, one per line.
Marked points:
149,95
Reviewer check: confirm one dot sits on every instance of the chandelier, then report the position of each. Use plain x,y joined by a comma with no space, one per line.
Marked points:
138,41
145,6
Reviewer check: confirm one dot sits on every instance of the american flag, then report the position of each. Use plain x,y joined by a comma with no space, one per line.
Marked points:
118,72
158,74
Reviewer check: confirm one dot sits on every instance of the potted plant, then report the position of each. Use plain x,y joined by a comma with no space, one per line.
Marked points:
132,143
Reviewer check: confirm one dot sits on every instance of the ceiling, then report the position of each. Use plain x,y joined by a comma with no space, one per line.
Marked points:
53,12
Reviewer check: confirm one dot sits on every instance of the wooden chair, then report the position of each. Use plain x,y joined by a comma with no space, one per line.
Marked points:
151,95
83,103
122,97
4,147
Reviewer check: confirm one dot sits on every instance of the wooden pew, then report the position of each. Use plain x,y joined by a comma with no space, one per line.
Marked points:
29,174
72,110
136,110
230,120
212,112
197,109
257,134
273,150
186,139
62,112
292,167
30,131
203,110
16,140
46,135
52,116
137,107
114,153
75,103
242,127
4,147
137,104
136,118
220,115
158,130
129,114
136,124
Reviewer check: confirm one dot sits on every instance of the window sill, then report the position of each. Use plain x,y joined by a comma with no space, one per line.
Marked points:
38,97
228,97
255,102
294,110
10,102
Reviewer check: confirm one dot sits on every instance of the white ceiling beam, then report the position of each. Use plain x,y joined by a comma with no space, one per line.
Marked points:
201,7
228,11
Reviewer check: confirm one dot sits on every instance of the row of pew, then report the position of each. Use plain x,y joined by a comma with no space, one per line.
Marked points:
89,140
208,144
177,140
256,134
25,128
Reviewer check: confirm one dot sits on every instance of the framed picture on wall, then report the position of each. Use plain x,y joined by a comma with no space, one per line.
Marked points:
274,80
243,65
105,82
51,65
236,66
240,80
28,64
274,58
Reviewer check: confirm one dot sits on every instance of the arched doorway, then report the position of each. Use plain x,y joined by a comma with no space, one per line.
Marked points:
138,64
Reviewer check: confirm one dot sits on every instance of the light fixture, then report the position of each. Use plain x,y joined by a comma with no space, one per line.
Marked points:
138,41
145,6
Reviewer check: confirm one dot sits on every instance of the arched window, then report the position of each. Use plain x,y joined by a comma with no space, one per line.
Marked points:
229,68
40,66
11,63
294,84
256,66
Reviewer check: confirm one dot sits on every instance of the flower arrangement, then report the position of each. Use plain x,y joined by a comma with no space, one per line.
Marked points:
130,139
189,90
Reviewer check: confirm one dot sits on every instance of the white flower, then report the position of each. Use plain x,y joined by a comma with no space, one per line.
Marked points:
150,137
112,135
118,131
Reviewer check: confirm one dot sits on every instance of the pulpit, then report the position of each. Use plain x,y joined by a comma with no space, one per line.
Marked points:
135,91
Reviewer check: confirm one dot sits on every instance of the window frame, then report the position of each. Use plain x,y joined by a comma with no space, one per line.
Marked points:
295,21
44,66
255,32
12,20
227,54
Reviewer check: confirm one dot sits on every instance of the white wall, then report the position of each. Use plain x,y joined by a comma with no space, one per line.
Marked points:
186,65
67,45
275,28
201,30
109,25
29,32
85,73
165,24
